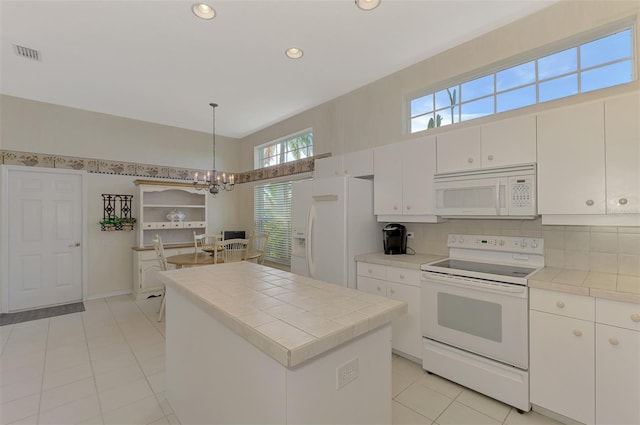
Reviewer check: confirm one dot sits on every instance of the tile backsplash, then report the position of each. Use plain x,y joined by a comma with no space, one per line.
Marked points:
603,249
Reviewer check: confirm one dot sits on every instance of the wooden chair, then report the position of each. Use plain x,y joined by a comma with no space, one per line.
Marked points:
257,247
162,259
231,250
205,241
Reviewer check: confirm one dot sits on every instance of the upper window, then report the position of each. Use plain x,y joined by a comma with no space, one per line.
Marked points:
600,63
291,148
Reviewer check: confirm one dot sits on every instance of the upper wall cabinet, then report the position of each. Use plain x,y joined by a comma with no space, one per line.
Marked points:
355,164
403,181
571,160
589,162
506,142
622,143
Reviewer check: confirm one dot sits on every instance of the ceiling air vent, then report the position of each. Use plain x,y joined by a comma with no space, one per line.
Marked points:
27,53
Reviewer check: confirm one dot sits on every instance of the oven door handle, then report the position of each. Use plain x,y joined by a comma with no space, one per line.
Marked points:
502,288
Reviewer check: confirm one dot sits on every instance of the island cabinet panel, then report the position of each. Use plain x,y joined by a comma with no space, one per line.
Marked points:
232,358
215,376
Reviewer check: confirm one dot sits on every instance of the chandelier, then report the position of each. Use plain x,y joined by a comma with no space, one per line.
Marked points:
214,182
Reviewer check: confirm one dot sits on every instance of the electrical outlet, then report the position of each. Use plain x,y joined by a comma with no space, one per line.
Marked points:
409,235
347,372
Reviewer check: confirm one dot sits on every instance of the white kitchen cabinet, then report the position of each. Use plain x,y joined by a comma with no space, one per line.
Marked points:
622,143
157,199
400,284
497,144
403,181
146,268
459,150
508,142
561,354
571,168
617,362
404,285
354,164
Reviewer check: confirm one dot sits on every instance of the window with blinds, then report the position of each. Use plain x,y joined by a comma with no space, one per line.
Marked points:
272,213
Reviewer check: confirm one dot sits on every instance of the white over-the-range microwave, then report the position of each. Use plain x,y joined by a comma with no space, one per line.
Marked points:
505,192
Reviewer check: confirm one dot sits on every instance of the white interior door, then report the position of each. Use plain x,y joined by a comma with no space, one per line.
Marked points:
45,234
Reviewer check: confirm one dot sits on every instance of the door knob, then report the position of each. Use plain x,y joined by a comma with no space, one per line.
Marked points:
74,245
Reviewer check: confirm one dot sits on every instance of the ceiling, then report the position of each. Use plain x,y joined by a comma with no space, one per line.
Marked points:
155,61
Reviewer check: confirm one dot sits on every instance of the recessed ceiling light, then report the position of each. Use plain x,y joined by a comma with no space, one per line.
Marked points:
294,53
203,11
368,4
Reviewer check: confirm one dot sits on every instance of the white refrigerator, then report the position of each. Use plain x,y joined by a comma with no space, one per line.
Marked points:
333,221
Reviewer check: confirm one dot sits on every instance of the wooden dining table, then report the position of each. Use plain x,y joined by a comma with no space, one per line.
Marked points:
193,259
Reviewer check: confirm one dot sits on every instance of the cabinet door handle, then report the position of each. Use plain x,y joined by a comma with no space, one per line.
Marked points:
401,276
589,202
369,271
635,317
395,207
613,340
559,304
490,157
379,288
393,291
577,332
408,207
623,201
470,160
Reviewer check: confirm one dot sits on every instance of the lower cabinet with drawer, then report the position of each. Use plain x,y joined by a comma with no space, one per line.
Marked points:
617,362
584,357
561,356
400,284
146,268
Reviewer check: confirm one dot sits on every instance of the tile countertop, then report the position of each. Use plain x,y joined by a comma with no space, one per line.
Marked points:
405,261
599,285
289,317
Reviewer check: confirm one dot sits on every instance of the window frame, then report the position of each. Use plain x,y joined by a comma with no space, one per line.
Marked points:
258,159
576,41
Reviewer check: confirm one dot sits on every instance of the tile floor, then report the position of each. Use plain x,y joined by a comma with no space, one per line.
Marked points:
106,366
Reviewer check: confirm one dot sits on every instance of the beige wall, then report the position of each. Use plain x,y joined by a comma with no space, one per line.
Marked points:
374,114
368,117
30,126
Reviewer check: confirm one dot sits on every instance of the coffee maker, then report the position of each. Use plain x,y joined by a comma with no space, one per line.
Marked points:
395,239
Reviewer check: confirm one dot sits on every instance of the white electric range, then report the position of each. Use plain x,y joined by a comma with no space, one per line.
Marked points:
475,306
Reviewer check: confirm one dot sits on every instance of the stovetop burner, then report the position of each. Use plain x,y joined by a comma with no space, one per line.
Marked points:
472,266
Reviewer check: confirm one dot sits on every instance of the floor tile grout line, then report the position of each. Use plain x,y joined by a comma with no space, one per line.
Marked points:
93,372
134,354
44,370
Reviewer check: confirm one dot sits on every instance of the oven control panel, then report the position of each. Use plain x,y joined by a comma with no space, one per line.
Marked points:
525,245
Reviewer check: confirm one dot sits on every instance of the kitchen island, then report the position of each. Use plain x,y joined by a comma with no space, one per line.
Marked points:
247,343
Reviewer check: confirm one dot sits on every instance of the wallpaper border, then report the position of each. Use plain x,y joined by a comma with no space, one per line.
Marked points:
101,166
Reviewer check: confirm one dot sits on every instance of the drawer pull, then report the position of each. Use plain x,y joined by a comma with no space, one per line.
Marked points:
559,304
577,332
378,288
401,276
369,271
393,291
635,317
613,340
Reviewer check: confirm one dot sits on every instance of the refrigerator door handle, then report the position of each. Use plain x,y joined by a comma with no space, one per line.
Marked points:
311,217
